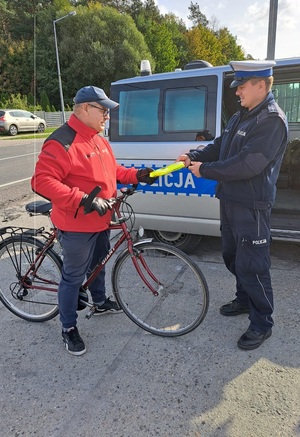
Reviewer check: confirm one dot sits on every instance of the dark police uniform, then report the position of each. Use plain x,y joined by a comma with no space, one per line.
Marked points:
245,160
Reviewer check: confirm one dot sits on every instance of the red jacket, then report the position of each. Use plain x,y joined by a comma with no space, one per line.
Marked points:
73,160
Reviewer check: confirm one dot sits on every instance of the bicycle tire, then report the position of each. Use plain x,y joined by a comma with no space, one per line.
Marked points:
35,304
183,297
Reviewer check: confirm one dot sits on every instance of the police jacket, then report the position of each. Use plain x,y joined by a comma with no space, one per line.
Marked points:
246,158
73,160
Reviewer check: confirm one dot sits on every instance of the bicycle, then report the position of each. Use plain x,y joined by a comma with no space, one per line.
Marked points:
159,287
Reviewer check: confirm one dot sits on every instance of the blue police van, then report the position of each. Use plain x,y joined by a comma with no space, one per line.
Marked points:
158,119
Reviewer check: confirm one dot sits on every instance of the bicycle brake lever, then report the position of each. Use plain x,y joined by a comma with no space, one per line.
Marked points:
129,190
88,203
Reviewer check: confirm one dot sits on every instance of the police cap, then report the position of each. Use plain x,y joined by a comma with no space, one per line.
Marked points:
245,70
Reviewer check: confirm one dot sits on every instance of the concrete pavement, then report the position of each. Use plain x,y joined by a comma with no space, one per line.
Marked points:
134,384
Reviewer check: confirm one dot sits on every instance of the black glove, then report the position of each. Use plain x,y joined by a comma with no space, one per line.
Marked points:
143,176
100,205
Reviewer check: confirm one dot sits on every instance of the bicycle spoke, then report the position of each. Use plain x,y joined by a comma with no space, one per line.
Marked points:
29,281
181,299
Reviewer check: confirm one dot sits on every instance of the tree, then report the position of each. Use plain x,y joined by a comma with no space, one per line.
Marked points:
30,99
108,47
203,44
45,103
144,14
16,66
5,19
159,39
230,49
196,16
177,30
164,34
99,45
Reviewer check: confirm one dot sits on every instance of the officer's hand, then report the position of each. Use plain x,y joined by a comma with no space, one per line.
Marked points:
194,167
184,158
100,205
143,176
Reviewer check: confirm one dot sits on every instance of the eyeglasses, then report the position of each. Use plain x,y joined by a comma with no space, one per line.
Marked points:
105,111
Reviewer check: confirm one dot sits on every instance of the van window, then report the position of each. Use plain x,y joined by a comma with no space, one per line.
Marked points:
138,112
164,110
184,109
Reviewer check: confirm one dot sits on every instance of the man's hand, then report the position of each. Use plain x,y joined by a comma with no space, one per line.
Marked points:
184,158
194,167
142,175
100,205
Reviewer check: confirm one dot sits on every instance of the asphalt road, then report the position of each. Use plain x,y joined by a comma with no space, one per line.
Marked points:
134,384
17,161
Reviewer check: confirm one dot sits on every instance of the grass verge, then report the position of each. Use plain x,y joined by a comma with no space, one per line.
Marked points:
29,136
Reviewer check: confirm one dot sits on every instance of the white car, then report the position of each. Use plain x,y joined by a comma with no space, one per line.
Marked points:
13,121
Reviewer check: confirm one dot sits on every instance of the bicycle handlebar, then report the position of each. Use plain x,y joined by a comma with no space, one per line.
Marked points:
126,191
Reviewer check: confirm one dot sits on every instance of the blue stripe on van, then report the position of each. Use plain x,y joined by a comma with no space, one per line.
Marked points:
181,182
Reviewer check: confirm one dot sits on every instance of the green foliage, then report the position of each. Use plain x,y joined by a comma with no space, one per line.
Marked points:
177,31
45,103
17,101
196,16
108,47
203,44
160,40
30,98
105,41
230,49
16,66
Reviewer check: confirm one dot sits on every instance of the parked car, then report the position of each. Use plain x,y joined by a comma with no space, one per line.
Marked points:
13,121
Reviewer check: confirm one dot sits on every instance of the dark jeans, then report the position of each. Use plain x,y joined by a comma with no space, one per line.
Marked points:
81,251
246,252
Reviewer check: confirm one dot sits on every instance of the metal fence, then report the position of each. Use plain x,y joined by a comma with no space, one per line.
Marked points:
53,119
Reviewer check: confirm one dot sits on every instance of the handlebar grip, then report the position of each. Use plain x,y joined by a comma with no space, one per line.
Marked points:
90,198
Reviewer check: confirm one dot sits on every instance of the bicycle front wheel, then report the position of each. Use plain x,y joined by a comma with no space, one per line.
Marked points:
160,289
28,283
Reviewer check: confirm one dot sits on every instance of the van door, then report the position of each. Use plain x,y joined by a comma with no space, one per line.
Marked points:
157,120
285,219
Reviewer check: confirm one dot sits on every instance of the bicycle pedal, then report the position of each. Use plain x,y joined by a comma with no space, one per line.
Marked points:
91,312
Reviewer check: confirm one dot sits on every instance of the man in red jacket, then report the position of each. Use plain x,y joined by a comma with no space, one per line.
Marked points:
73,160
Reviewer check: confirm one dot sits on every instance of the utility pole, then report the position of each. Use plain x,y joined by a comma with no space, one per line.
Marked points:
58,65
272,29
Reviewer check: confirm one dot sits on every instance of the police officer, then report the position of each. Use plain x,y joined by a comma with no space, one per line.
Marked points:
245,160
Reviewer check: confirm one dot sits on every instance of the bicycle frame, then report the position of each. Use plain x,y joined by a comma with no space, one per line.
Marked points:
126,236
51,237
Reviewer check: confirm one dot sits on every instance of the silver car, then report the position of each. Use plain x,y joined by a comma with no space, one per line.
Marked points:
13,121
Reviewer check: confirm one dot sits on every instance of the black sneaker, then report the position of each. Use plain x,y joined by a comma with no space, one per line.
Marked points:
109,306
252,339
73,342
234,308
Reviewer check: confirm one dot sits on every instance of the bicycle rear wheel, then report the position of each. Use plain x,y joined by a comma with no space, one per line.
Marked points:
182,296
29,293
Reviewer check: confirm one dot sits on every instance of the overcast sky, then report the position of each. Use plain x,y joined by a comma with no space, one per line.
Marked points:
248,20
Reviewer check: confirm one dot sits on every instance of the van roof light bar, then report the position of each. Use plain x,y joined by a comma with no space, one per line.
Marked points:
145,67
